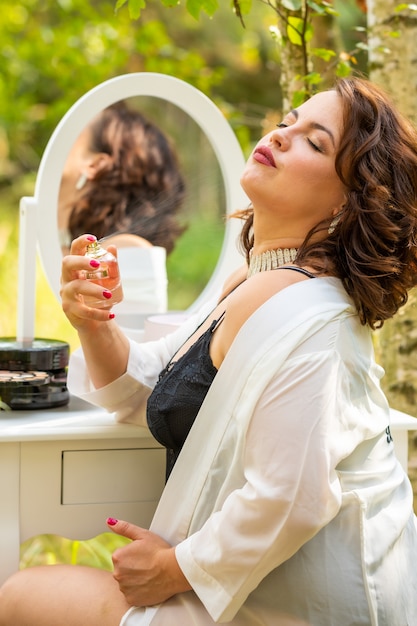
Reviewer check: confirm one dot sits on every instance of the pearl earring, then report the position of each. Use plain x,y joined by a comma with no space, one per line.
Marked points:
81,181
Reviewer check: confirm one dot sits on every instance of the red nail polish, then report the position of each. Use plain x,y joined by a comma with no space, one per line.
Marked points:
111,521
111,316
94,263
91,238
107,294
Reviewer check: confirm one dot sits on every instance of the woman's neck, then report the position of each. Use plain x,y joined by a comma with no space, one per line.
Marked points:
279,243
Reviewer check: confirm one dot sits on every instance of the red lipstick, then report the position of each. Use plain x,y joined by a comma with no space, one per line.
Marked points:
264,155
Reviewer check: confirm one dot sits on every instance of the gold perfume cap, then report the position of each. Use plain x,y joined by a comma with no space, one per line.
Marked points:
93,247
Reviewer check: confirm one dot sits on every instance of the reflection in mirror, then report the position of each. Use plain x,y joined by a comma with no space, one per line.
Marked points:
142,172
197,251
39,214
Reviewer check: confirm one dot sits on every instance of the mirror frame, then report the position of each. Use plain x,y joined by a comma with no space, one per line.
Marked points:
193,102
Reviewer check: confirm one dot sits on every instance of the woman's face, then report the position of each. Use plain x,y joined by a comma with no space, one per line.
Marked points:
290,176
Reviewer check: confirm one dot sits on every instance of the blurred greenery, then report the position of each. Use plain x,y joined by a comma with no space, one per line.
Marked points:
51,53
54,550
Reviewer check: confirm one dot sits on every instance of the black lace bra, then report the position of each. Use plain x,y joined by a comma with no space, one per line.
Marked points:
180,391
178,395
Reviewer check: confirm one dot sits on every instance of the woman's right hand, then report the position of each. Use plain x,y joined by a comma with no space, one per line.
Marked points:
74,287
100,337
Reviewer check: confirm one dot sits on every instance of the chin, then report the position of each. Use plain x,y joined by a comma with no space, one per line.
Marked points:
249,182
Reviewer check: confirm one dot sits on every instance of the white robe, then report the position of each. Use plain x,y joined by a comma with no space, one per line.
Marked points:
287,505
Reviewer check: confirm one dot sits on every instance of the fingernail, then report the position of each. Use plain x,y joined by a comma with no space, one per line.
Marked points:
111,521
94,263
91,238
107,294
111,316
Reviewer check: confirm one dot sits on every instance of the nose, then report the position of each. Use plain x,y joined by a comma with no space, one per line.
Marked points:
280,137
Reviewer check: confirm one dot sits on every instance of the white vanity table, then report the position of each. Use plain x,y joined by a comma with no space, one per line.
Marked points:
65,470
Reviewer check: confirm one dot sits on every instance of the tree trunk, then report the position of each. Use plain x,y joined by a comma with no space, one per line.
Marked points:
393,65
326,34
293,66
393,52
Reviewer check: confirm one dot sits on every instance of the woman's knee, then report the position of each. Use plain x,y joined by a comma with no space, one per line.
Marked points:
61,595
11,593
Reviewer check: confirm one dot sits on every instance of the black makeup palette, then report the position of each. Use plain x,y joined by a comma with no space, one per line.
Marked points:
33,374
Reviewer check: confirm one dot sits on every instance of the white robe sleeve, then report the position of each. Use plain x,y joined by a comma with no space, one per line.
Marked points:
290,487
127,395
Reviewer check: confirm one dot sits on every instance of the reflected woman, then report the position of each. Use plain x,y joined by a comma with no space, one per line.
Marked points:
122,182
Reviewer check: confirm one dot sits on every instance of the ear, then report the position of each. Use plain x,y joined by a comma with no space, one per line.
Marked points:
338,209
100,162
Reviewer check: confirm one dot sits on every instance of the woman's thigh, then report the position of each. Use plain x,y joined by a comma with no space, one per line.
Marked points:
61,595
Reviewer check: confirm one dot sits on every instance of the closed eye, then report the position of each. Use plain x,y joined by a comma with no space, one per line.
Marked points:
314,146
312,143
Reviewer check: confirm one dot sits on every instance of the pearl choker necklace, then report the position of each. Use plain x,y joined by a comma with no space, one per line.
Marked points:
270,260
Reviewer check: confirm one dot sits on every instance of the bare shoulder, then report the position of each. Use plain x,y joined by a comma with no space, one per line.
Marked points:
255,291
235,279
244,301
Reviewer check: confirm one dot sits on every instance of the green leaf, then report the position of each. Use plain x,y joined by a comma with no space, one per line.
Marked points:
314,78
320,9
194,7
292,5
170,3
135,8
119,4
329,9
343,69
299,97
323,53
295,31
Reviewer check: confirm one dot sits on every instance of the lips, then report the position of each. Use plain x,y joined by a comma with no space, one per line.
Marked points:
263,155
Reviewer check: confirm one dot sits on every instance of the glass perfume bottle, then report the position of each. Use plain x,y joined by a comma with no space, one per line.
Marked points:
107,276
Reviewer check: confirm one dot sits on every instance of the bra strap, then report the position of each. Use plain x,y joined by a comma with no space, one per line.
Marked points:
295,268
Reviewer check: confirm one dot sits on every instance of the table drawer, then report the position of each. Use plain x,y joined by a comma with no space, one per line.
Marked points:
70,487
105,476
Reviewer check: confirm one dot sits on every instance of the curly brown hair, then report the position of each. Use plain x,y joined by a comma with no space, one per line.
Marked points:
373,248
142,192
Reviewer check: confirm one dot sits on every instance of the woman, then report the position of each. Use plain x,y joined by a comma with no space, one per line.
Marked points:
286,504
122,181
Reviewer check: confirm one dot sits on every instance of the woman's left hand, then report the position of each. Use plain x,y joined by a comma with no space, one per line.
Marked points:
146,569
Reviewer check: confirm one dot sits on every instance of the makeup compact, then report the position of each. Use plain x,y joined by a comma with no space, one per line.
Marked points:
33,374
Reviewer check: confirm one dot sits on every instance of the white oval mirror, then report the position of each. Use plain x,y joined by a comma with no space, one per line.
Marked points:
167,88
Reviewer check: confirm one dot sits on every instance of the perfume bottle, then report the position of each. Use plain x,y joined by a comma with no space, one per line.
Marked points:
107,276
